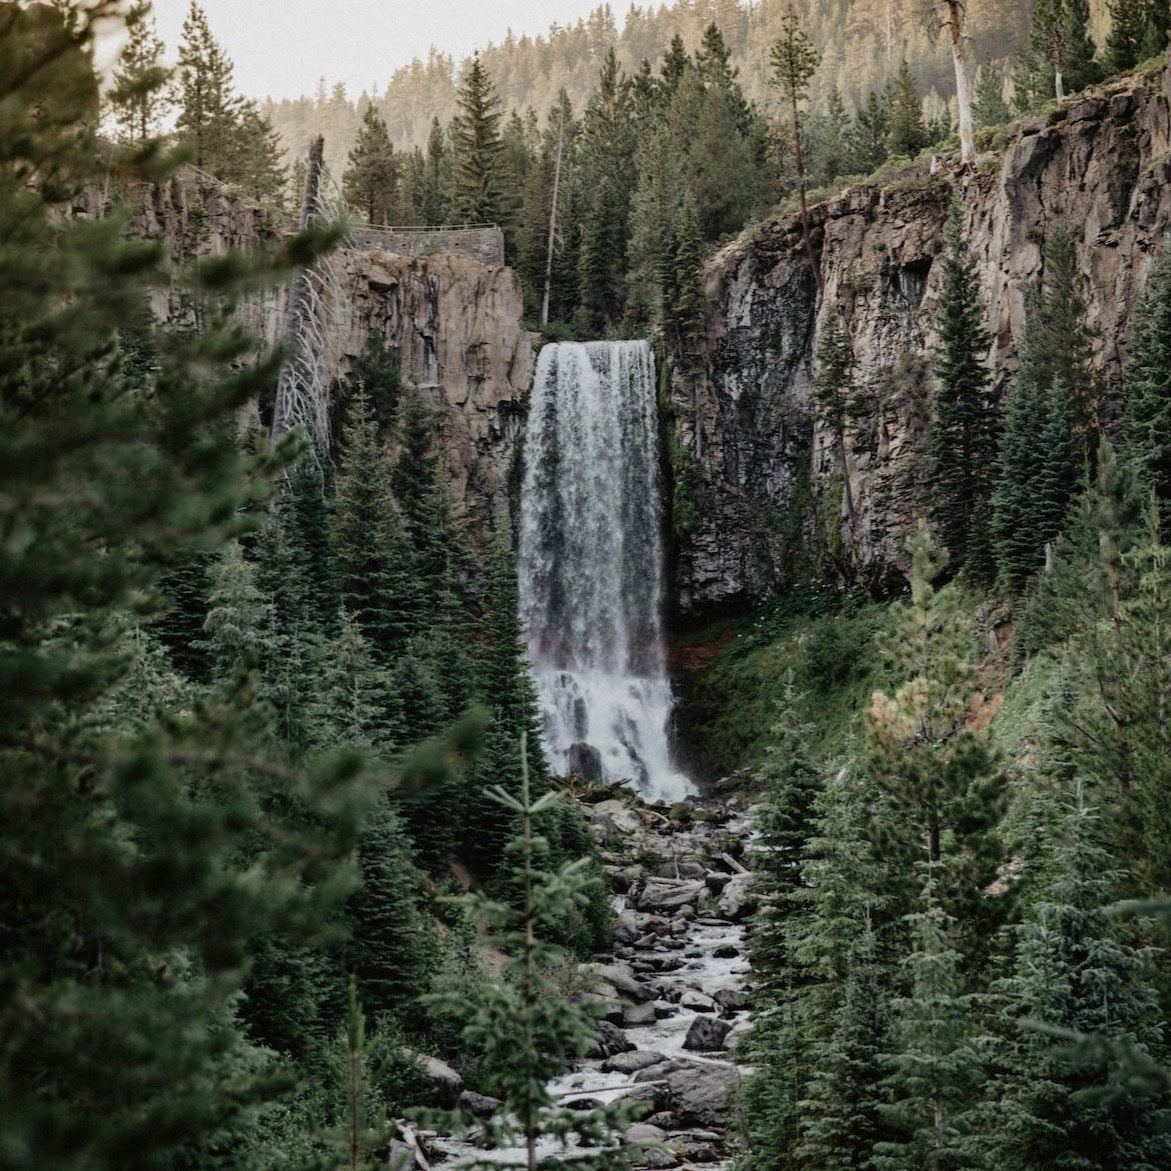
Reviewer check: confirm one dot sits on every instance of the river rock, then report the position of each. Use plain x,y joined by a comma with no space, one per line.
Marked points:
737,899
644,1132
639,1015
632,1061
611,1040
623,980
661,894
700,1091
448,1084
481,1105
697,1001
626,928
585,761
612,816
658,1159
730,999
707,1034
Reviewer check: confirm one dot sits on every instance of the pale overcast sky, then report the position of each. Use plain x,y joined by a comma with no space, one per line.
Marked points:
281,47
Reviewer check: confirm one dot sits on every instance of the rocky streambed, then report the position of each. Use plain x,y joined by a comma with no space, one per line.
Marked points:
674,982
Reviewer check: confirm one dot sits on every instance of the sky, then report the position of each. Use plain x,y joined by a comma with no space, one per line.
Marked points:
280,48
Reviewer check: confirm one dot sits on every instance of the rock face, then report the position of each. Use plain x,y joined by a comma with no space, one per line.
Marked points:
764,472
454,323
455,326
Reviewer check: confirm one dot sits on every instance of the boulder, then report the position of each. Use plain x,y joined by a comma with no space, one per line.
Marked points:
707,1034
730,999
638,1015
632,1061
644,1132
700,1091
697,1001
737,900
585,761
611,1040
662,894
447,1083
481,1105
623,980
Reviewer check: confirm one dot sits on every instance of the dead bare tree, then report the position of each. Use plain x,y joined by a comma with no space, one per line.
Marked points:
950,15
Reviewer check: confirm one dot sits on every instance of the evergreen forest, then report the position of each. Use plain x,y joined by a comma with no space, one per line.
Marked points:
279,836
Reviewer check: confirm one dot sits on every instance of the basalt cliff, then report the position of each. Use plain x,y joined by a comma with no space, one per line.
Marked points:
451,315
755,467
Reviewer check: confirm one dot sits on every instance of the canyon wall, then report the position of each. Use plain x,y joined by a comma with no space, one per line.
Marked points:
453,322
756,465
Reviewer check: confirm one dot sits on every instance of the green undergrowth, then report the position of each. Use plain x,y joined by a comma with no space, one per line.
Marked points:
820,639
827,644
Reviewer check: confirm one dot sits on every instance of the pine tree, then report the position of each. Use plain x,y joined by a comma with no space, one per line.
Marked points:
1128,28
208,104
1059,1106
829,141
869,135
138,97
936,1071
907,132
989,107
375,583
942,790
793,61
392,949
607,177
371,180
674,67
524,1030
1061,54
685,306
478,195
962,454
431,198
254,161
131,895
1146,420
1050,420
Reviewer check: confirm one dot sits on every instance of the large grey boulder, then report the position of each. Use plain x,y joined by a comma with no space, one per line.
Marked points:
611,1040
706,1034
623,980
632,1061
447,1083
699,1091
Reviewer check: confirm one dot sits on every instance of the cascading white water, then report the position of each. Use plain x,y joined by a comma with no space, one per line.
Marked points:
591,565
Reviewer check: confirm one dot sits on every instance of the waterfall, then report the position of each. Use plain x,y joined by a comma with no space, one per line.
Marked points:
591,565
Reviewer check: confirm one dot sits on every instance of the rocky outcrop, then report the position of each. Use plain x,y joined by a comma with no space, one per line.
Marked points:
764,472
455,328
453,322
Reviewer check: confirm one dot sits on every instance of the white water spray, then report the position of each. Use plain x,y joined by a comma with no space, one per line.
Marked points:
591,565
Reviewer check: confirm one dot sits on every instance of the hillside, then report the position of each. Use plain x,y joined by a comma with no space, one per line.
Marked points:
862,42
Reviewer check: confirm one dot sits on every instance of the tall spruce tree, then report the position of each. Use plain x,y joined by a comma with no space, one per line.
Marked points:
941,787
1146,418
792,62
372,179
961,464
133,887
1058,1105
906,132
1060,57
208,103
607,177
138,98
477,195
